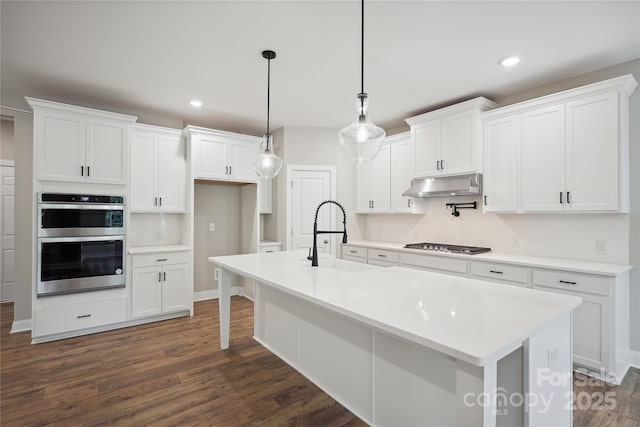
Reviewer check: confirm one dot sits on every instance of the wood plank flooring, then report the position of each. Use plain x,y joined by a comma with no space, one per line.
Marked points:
173,373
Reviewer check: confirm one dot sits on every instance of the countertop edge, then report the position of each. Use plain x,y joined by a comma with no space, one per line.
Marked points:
135,250
605,269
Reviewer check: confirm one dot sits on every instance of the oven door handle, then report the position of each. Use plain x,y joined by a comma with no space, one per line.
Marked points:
80,239
83,206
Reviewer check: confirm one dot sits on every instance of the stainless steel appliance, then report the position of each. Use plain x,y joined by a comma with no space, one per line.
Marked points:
81,243
461,185
443,247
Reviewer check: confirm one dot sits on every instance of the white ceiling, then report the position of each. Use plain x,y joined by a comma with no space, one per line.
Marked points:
151,57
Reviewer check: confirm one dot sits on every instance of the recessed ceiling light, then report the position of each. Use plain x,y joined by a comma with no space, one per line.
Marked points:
195,103
509,61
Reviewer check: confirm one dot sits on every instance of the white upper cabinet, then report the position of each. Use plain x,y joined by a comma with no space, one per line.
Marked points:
158,170
500,165
373,183
223,156
448,141
77,144
572,150
402,164
542,159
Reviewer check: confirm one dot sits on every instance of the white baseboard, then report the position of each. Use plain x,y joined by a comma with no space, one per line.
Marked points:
21,326
634,358
213,294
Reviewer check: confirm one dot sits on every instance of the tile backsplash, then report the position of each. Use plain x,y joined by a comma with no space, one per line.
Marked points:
155,229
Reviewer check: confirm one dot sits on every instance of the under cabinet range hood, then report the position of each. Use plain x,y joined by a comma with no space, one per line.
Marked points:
460,185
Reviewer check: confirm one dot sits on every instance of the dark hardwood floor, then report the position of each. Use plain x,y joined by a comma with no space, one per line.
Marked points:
174,373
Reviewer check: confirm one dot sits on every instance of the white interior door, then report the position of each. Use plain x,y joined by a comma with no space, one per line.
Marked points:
307,187
7,247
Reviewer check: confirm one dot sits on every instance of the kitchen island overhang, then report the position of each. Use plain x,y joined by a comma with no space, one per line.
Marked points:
400,346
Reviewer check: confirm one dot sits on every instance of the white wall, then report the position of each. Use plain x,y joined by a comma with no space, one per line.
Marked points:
7,145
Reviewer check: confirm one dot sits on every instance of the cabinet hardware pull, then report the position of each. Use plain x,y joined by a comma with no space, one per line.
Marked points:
164,276
268,252
88,171
438,164
226,170
81,170
496,272
441,164
229,170
159,276
485,200
373,204
155,201
161,259
567,282
568,197
561,197
382,256
353,252
160,201
82,316
410,202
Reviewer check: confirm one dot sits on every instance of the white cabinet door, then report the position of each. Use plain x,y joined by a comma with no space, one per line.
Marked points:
427,149
171,174
500,165
401,174
106,150
211,158
542,154
60,146
143,165
382,188
174,296
592,170
146,292
241,159
456,144
365,184
373,183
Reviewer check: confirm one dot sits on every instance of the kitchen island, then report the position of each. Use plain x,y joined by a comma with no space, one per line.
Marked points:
406,347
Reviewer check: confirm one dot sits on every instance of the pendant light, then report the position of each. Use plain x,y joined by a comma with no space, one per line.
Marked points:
267,164
362,139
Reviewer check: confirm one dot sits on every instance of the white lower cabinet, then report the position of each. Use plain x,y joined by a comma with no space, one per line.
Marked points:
434,263
64,318
382,258
159,284
500,272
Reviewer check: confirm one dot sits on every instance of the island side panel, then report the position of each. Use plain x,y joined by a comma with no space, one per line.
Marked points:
548,374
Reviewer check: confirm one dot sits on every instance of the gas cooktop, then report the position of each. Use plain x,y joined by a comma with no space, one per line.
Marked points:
442,247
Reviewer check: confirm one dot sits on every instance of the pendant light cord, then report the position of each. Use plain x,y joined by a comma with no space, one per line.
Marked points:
362,50
268,90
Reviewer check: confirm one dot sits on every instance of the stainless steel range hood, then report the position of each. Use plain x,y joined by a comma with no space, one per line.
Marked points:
461,185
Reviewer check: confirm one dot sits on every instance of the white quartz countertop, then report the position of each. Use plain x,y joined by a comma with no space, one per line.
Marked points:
133,250
471,320
578,266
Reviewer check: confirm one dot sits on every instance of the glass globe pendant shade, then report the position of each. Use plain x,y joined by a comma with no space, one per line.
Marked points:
266,164
361,140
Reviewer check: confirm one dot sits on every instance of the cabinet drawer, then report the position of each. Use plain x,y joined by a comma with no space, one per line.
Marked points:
499,271
160,258
381,263
573,281
270,248
434,262
383,255
354,259
354,251
81,315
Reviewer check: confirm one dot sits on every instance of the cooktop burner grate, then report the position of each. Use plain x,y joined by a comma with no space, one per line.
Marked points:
443,247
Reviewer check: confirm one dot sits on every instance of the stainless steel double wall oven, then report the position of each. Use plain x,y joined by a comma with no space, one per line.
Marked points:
81,243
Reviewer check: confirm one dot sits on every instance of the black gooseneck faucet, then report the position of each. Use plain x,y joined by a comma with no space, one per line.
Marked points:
314,256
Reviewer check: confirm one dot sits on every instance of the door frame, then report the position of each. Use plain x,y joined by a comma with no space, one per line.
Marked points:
288,206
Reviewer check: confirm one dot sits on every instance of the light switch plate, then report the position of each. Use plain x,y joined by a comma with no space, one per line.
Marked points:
212,226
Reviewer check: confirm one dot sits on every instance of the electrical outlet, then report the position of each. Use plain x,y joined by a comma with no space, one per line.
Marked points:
216,274
515,242
602,247
157,235
212,226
